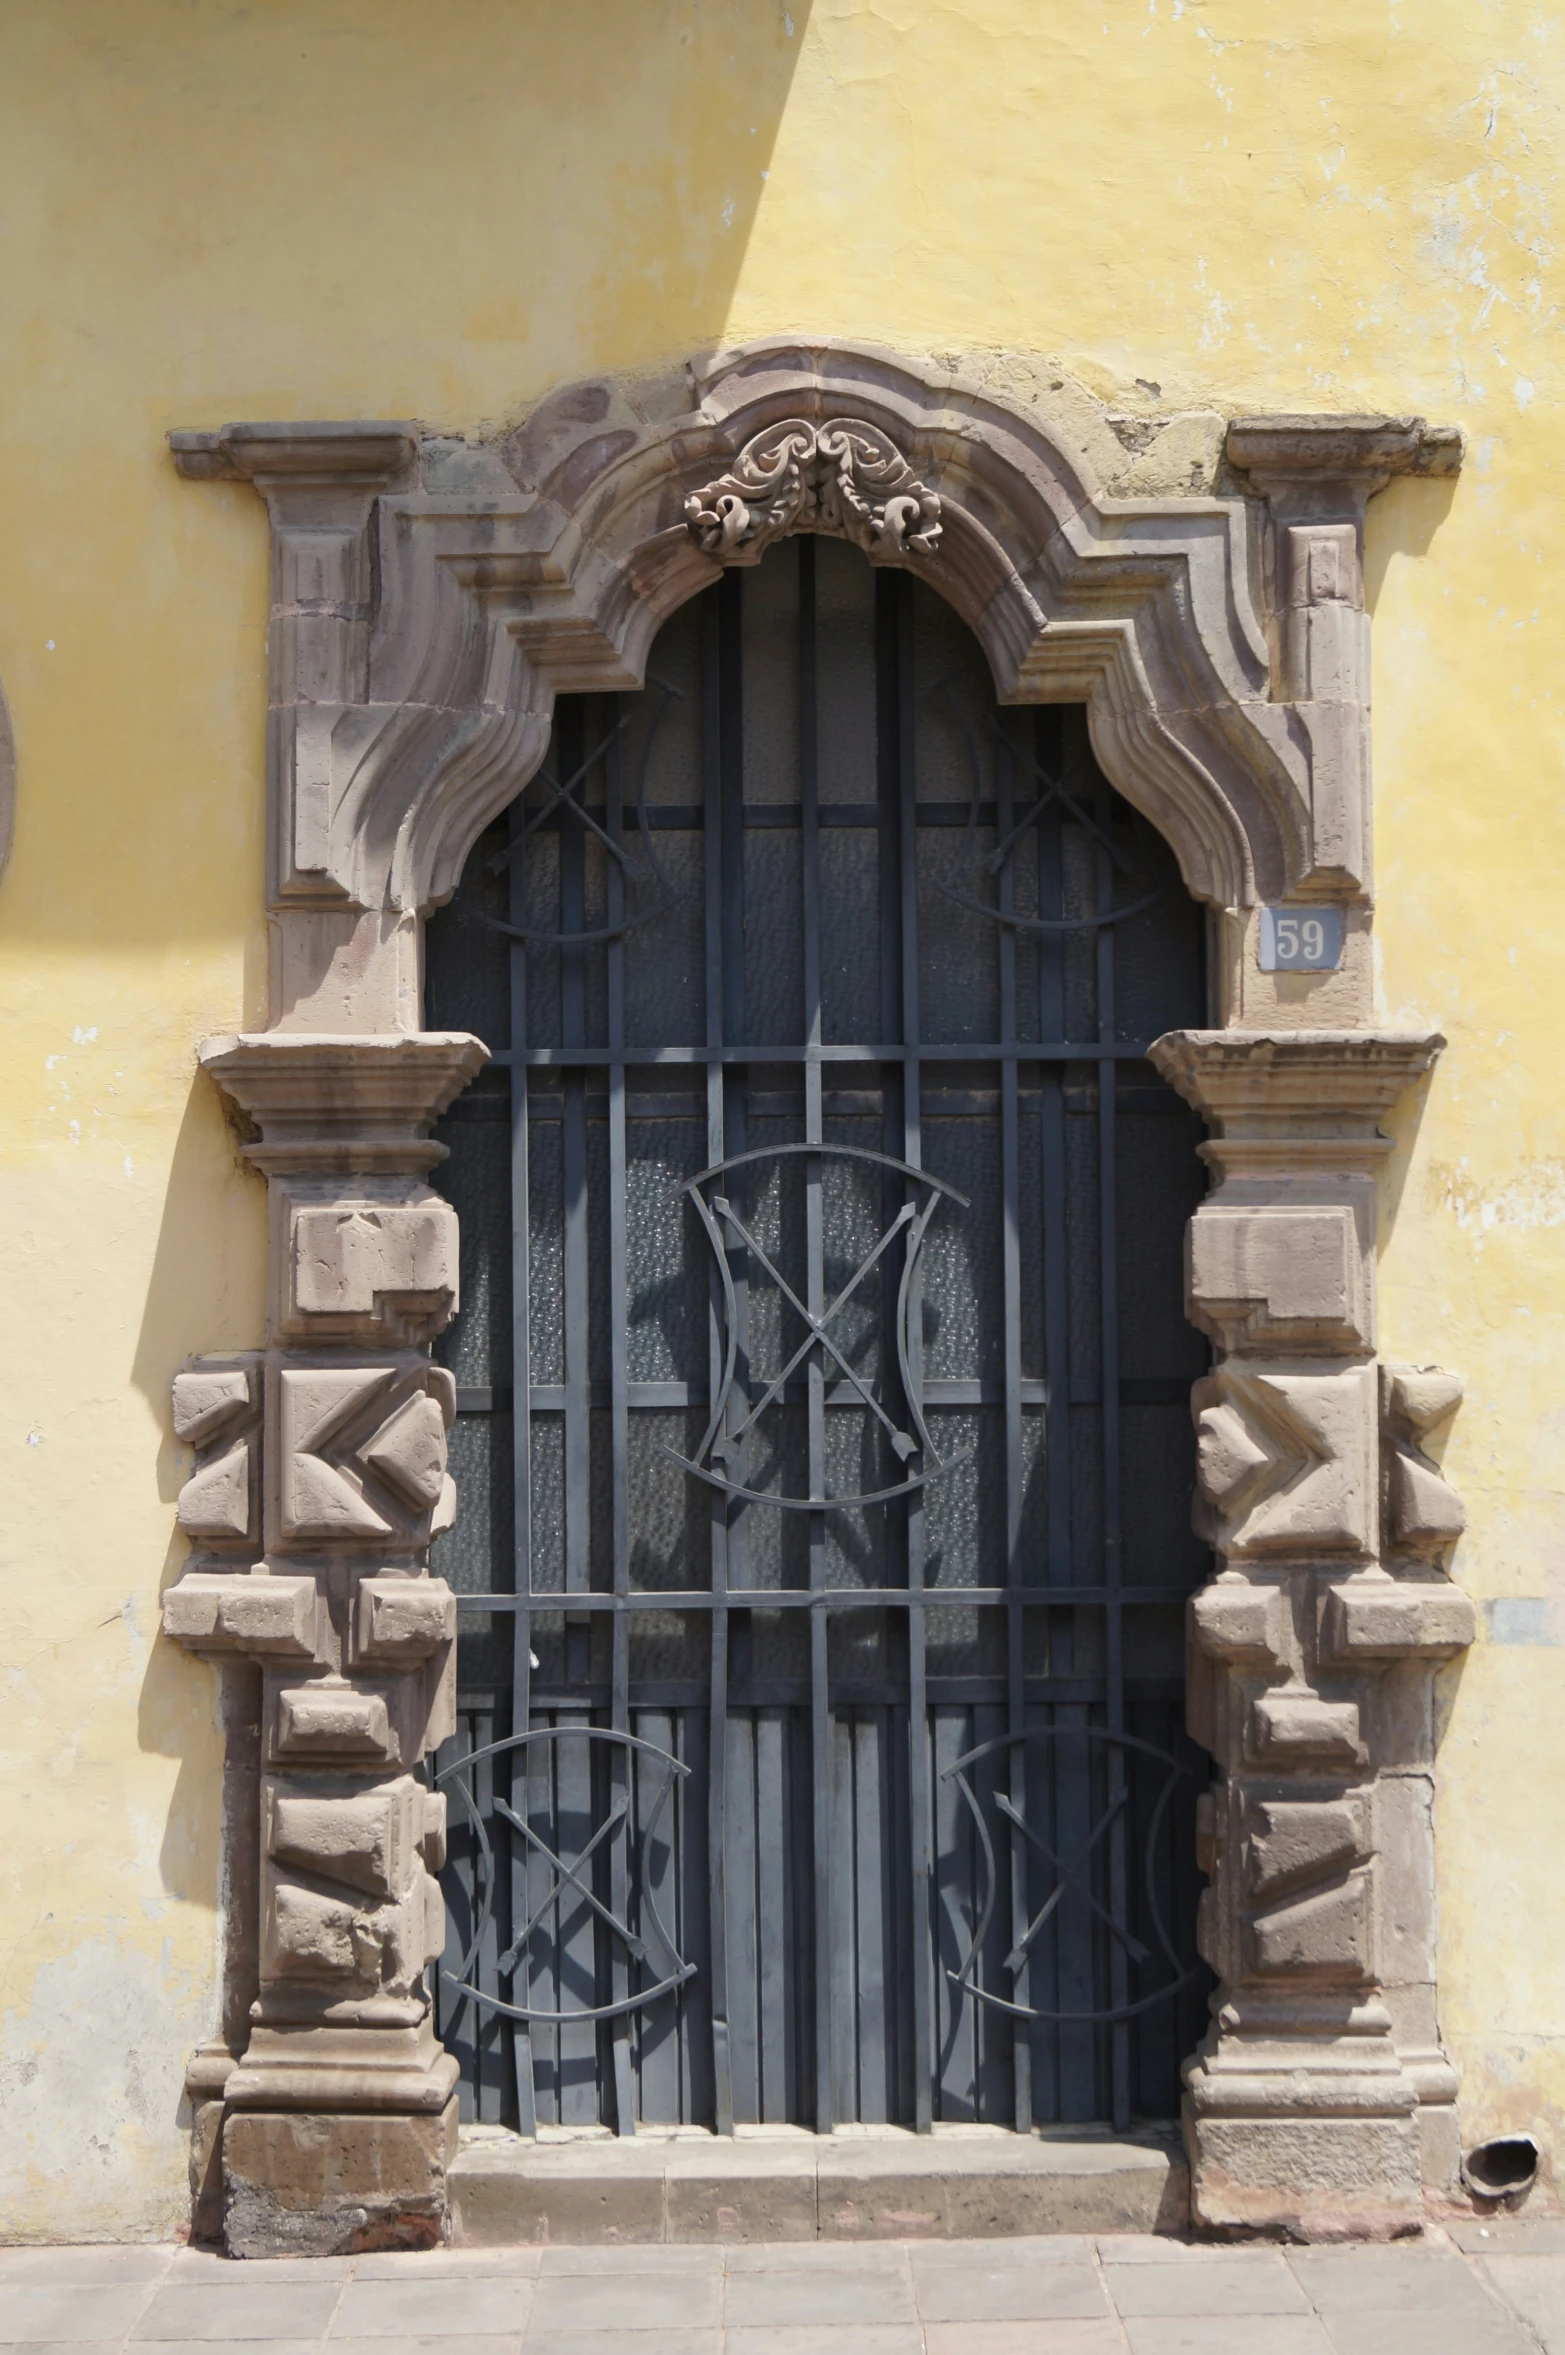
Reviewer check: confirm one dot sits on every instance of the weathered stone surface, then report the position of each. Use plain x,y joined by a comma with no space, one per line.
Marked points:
419,635
318,2185
1278,1276
265,1618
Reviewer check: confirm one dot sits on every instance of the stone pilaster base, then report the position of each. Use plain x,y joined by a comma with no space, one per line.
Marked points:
321,2184
1303,2141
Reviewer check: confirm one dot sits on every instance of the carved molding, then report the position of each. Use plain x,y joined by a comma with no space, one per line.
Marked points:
848,479
430,599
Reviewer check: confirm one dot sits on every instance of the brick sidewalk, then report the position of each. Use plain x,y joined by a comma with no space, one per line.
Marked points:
1499,2291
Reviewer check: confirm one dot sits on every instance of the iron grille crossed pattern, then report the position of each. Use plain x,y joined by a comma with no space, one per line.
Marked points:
656,1952
724,1439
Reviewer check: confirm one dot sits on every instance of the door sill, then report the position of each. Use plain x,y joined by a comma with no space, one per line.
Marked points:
580,2187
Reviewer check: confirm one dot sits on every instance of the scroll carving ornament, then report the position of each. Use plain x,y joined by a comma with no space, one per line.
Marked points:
847,478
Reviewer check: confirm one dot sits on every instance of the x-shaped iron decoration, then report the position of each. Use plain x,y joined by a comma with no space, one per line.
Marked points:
1124,1750
914,1450
644,1951
566,1875
1067,1879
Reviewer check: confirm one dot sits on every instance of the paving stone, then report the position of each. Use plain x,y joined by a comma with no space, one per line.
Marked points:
1012,2293
1256,2282
1158,2248
1427,2334
815,2338
1511,2236
888,2258
244,2347
1535,2288
67,2262
663,2341
458,2264
64,2310
244,2305
835,2297
1228,2334
627,2301
433,2307
1043,2248
187,2266
1023,2338
1390,2281
829,2297
605,2263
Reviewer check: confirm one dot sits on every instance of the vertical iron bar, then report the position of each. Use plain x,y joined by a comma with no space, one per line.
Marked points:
1108,1358
920,1809
573,1766
717,1728
1058,1434
620,1758
1011,1276
521,1453
815,1297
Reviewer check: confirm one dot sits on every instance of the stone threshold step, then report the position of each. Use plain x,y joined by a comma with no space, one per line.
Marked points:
865,2184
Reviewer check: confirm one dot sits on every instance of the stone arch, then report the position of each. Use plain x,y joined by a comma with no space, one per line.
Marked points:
433,596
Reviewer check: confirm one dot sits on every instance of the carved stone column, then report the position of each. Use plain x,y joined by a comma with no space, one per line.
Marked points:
320,1477
1320,2101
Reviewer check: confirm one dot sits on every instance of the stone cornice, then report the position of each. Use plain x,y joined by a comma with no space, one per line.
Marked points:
1365,451
370,454
1275,1088
344,1104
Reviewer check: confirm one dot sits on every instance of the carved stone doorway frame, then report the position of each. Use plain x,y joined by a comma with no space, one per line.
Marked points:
430,598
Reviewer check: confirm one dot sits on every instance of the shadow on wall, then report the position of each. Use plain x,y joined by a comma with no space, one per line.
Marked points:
204,1294
1402,521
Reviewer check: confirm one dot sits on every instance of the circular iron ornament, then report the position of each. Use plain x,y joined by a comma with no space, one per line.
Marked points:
658,1952
720,1445
564,797
994,862
1066,1871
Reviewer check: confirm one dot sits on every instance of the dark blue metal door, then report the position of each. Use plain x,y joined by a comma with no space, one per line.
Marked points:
823,1438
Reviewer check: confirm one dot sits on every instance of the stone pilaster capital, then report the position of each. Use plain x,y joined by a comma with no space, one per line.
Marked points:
365,455
1332,466
1298,1102
342,1105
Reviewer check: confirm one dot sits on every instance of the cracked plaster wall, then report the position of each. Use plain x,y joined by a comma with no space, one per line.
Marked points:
353,207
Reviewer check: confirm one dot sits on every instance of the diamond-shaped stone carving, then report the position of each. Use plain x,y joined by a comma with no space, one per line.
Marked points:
361,1452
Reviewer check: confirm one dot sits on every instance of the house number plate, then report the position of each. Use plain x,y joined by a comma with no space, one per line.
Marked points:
1301,940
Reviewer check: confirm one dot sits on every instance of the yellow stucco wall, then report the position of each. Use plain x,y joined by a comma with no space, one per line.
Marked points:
379,207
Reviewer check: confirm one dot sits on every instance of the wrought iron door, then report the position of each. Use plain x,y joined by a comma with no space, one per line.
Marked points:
823,1437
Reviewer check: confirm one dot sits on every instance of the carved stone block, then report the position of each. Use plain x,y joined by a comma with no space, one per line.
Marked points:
1288,1729
378,1267
1294,1841
1285,1462
359,1452
244,1612
217,1412
331,1720
400,1622
1424,1516
1323,1935
1246,1625
1373,1618
366,1839
1279,1277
